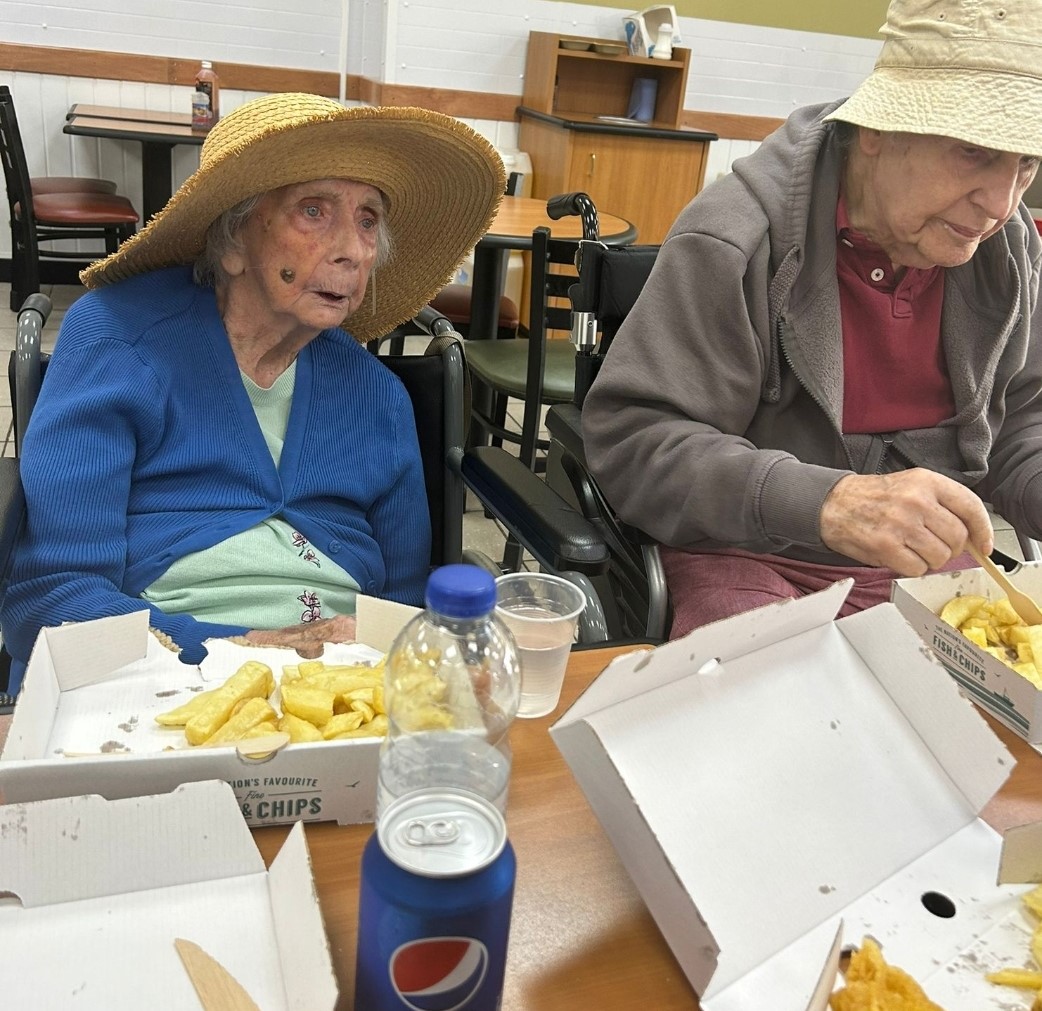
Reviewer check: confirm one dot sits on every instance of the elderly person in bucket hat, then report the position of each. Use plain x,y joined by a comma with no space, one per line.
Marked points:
212,439
838,355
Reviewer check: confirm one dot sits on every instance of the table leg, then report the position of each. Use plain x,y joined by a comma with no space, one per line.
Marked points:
155,178
490,275
487,284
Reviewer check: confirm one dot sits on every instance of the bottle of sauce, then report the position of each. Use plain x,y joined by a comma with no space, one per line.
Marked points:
663,48
205,98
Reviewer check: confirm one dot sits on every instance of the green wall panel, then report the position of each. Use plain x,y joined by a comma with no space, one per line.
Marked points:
861,18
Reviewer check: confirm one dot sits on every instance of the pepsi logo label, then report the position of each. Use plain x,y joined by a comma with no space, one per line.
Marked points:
438,973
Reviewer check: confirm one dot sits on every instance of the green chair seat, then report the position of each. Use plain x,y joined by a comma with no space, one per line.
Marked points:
502,364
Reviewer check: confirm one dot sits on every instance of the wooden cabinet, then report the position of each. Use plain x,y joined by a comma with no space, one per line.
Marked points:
645,173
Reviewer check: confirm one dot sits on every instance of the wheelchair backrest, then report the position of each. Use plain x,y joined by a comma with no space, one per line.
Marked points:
610,279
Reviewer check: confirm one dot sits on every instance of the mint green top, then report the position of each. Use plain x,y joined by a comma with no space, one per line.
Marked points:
268,576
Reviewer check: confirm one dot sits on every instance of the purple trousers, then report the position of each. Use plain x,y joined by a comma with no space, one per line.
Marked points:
708,586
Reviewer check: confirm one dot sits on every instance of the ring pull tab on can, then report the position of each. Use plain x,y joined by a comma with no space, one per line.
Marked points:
428,832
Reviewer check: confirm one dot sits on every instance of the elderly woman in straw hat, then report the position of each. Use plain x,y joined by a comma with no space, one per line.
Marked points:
213,441
838,355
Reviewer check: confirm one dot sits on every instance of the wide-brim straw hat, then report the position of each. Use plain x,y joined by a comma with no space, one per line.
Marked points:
955,68
443,183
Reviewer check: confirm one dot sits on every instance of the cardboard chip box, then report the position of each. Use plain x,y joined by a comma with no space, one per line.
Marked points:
93,894
772,776
84,723
1010,698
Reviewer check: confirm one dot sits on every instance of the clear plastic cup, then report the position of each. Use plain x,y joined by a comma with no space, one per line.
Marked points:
542,612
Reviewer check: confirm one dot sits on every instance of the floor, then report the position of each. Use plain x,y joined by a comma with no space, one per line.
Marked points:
479,533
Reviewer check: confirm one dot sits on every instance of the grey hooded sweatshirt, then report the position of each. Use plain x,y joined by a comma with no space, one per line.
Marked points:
716,419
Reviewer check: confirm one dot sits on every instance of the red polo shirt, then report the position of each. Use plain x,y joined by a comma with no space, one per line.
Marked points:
894,373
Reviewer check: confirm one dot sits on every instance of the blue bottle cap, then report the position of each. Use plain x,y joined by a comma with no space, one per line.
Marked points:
461,591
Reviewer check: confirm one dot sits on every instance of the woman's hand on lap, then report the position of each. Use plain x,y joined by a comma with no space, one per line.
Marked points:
308,640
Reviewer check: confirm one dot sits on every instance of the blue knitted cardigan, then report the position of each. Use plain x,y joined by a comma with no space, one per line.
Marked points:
144,447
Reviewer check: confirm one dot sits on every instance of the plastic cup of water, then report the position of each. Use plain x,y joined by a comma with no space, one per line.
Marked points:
542,612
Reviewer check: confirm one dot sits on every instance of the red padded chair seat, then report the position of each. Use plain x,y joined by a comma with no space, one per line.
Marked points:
70,184
83,209
453,302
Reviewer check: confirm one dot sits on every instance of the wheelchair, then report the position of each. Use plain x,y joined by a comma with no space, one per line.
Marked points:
629,598
564,522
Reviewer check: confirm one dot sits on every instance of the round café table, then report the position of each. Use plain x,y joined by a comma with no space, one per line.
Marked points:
512,229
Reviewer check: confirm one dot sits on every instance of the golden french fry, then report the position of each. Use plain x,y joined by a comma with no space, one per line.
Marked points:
252,712
318,701
299,730
959,610
1033,900
367,711
873,985
375,728
252,680
312,704
261,730
976,635
1025,979
1003,612
179,717
341,723
1029,671
342,682
996,629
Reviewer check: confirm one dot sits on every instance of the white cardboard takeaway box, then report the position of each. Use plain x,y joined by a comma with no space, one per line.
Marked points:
84,723
93,894
991,684
773,775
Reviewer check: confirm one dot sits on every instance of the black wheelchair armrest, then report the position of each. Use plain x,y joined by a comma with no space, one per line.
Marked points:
12,510
564,423
560,538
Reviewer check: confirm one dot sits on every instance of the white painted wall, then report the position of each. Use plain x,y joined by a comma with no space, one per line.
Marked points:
472,45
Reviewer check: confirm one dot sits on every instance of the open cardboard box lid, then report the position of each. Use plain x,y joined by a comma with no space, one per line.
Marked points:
774,774
85,723
94,892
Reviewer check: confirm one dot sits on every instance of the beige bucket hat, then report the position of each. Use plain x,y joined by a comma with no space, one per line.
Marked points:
969,69
442,180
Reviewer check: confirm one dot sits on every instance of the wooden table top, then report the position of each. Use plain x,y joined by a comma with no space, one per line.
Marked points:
119,112
133,129
518,217
581,936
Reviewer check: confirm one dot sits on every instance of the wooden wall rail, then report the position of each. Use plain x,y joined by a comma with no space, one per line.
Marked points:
253,77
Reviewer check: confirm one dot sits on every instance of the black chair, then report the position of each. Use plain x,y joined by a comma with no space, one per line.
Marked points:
536,370
44,215
453,301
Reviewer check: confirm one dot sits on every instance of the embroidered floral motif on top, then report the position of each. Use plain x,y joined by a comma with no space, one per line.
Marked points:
304,551
314,606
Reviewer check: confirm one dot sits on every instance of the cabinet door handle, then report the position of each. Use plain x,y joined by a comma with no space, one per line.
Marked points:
593,163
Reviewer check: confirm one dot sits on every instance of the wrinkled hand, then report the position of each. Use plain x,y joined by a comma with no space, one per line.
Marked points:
911,521
308,640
